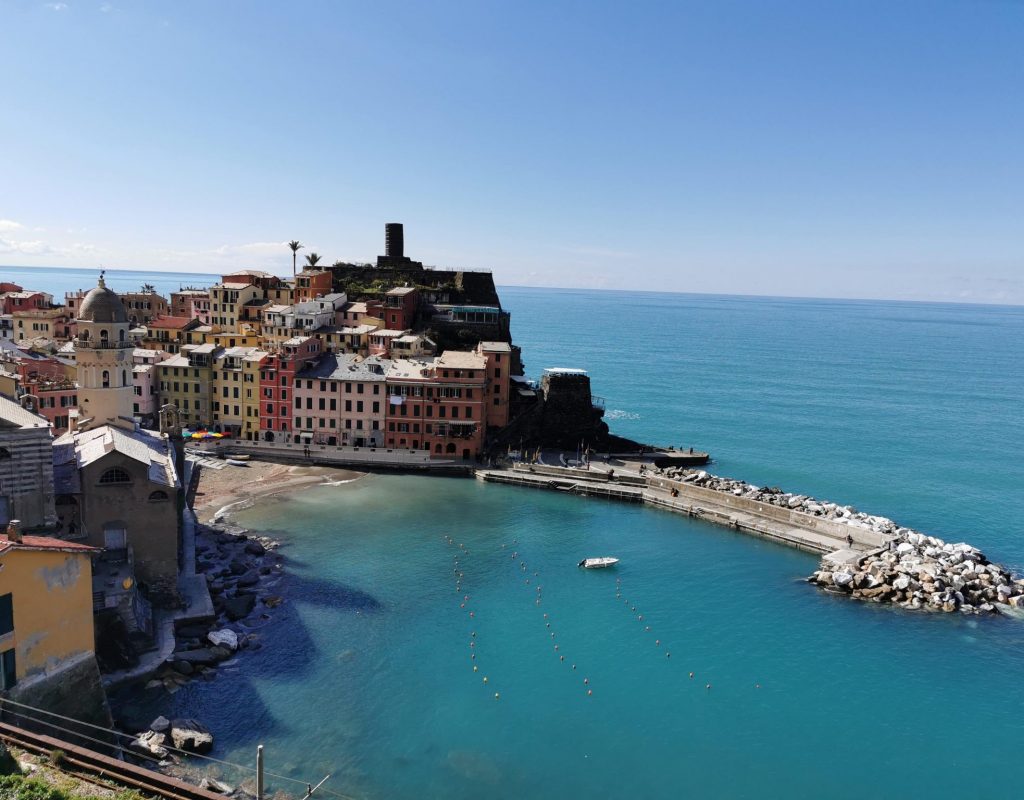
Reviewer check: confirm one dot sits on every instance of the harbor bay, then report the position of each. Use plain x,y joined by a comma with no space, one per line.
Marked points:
366,670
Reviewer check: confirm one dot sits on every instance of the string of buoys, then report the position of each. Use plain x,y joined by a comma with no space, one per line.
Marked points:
639,616
538,597
459,575
647,629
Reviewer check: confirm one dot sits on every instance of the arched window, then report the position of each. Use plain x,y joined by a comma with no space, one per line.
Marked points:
437,448
104,335
106,379
115,475
124,378
450,448
84,336
159,494
120,334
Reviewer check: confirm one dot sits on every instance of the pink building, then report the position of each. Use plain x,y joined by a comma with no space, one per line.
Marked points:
146,383
499,365
341,400
16,299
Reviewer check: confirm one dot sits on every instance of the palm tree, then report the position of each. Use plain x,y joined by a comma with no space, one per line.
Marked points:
312,259
148,288
296,247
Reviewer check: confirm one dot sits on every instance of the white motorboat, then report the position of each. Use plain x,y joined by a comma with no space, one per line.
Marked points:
598,563
235,462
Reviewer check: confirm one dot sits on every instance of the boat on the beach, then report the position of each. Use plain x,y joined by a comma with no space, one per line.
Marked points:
235,462
240,457
598,563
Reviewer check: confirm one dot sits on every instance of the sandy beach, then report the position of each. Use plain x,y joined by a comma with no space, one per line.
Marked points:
259,479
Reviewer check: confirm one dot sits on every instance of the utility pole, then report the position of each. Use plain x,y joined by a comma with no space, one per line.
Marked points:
259,772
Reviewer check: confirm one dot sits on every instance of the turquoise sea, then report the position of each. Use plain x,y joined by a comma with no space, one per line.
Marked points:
905,409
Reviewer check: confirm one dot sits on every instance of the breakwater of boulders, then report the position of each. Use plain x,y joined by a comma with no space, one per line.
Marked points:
920,572
912,570
773,495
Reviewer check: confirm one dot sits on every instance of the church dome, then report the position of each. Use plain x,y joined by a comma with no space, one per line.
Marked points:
102,305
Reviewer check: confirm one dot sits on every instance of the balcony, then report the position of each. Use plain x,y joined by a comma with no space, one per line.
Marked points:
103,344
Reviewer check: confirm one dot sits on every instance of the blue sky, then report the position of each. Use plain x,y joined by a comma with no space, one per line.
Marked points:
842,149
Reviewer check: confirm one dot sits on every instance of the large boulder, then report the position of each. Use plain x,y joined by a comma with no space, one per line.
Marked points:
225,637
842,578
191,735
213,785
239,606
161,724
254,548
150,743
250,578
195,657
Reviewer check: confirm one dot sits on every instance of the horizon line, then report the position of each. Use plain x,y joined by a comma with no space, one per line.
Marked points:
987,303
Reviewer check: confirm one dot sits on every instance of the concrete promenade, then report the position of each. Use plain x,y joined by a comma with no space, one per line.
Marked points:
791,528
365,458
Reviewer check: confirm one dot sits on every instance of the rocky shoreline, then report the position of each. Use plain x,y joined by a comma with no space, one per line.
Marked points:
242,572
913,570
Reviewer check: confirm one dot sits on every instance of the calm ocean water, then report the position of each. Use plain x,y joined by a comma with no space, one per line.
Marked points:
909,410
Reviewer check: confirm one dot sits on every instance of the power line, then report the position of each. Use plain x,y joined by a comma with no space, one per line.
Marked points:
113,732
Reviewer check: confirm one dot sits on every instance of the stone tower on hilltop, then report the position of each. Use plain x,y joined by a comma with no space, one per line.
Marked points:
103,352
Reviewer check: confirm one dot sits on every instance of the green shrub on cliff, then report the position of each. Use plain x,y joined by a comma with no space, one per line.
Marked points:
18,787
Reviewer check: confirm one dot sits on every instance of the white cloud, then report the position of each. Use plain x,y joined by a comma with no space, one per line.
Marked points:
10,225
57,6
34,248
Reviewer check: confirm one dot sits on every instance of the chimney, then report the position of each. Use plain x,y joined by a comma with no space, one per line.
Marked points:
394,240
14,531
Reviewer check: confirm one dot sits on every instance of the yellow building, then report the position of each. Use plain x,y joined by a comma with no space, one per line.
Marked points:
185,381
234,389
9,382
251,365
45,606
46,323
227,301
227,339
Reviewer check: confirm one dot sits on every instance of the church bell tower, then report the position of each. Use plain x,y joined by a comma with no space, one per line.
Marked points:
103,352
